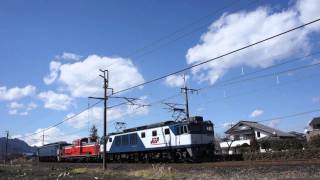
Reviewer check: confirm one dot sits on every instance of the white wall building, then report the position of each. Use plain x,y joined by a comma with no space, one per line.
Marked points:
314,128
244,132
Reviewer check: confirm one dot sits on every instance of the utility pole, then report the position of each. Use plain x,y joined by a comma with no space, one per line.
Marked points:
105,77
42,138
105,86
185,90
6,153
105,98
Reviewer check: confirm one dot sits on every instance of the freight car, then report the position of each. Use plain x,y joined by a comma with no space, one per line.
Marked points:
189,140
50,152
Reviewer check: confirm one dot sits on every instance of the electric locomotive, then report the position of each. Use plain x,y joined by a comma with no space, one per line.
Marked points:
187,140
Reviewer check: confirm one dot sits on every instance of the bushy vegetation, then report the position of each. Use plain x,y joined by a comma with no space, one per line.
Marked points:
284,155
282,144
314,142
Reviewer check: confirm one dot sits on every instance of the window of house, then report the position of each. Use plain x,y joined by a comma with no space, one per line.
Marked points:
143,134
166,131
258,134
110,139
154,133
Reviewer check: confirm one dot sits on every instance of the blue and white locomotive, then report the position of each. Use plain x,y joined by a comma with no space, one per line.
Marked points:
188,140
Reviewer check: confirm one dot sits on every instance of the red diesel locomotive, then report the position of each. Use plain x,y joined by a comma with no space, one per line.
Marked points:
84,149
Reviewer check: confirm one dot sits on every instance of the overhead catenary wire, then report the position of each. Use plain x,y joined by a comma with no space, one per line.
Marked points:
227,83
262,70
231,83
218,57
254,90
181,36
190,67
178,31
284,116
221,85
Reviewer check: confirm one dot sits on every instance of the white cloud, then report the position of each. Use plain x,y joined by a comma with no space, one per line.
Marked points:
232,31
138,108
315,99
228,125
55,101
175,80
69,56
16,108
54,70
82,79
309,11
31,106
16,92
15,105
273,123
95,114
51,135
13,111
256,113
315,61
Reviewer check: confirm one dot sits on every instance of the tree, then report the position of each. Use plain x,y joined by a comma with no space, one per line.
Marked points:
94,133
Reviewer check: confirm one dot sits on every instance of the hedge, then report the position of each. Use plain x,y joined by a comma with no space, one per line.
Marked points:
284,155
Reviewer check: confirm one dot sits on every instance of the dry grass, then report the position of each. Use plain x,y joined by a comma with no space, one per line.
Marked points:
157,171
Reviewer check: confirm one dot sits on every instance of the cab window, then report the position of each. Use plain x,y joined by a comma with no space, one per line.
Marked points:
154,133
185,129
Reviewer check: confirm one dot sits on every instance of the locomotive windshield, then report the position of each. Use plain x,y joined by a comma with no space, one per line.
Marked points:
201,128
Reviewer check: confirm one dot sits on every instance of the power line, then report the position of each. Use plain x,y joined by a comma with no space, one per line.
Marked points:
259,77
190,67
186,34
285,116
218,57
150,104
177,32
66,119
265,69
219,85
255,90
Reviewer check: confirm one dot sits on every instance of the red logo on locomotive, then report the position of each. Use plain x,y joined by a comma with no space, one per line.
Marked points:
155,140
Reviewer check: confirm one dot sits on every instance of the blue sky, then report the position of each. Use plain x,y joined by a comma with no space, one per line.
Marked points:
76,38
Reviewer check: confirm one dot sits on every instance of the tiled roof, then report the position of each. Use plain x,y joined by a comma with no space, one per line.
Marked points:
262,127
315,120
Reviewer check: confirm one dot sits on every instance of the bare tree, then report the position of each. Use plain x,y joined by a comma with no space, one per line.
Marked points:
94,133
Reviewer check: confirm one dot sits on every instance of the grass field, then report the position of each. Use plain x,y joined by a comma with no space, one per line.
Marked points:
221,170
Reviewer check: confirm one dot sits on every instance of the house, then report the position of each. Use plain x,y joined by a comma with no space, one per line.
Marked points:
314,128
244,133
